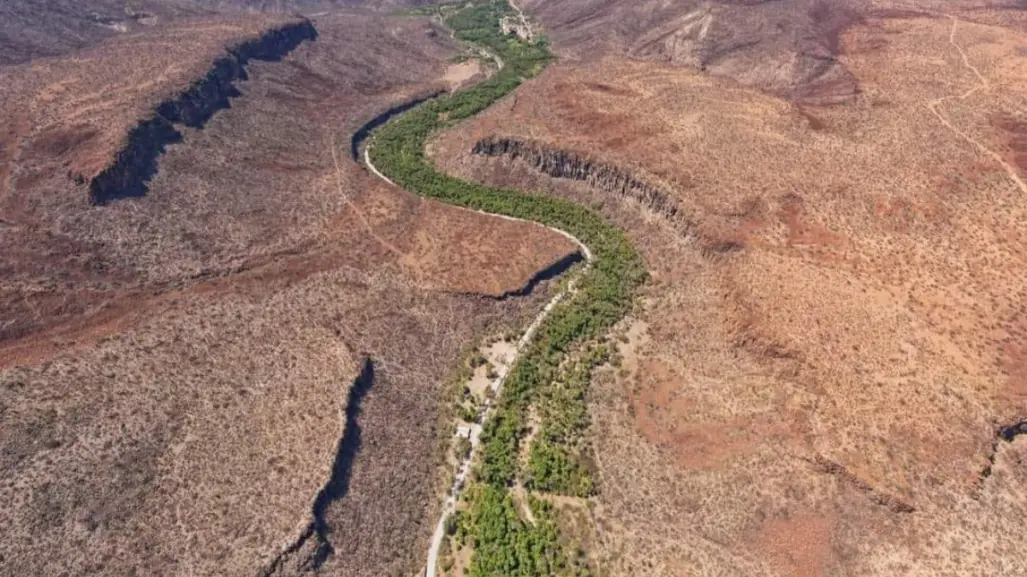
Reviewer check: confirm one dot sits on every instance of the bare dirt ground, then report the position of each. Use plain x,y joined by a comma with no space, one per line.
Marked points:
461,73
176,369
190,445
781,46
836,312
814,384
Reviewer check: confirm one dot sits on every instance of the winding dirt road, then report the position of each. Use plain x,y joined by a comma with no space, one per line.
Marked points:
982,85
496,385
487,409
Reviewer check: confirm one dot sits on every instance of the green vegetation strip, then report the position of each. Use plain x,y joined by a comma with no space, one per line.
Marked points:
605,292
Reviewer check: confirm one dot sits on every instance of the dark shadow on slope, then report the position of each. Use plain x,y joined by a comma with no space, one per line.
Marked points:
314,542
550,272
365,131
338,484
1012,431
137,162
1007,433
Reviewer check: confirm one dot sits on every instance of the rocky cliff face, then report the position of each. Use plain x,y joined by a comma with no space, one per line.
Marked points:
567,164
136,163
785,47
611,179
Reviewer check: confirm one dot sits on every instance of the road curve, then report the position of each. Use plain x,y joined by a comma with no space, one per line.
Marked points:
581,246
497,384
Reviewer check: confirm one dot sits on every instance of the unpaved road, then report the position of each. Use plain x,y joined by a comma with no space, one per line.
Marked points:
496,385
983,84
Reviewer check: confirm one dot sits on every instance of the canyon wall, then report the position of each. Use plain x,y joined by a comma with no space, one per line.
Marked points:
610,178
136,163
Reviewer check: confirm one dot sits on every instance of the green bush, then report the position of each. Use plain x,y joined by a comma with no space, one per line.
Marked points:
507,545
504,544
552,470
605,293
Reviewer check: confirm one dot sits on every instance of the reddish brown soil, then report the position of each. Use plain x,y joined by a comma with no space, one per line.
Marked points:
156,244
852,357
799,546
1015,132
175,368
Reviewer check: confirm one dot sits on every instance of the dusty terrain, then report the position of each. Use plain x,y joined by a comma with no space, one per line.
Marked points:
192,377
39,29
782,46
833,338
236,369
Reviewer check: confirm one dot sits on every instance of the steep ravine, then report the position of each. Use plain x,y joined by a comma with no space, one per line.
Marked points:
136,163
313,546
602,293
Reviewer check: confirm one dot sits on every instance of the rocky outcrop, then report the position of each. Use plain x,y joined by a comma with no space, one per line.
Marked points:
1010,432
1005,433
882,498
567,164
609,178
136,163
313,546
559,163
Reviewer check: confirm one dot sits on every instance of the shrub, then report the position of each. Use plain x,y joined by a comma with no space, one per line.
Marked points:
505,545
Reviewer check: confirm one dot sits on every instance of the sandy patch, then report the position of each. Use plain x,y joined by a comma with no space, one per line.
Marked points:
799,546
458,74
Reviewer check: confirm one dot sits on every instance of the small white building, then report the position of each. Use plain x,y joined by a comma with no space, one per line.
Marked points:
463,431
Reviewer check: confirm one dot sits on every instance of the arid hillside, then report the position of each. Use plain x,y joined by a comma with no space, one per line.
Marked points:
217,330
227,348
782,46
827,375
785,47
34,29
31,29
